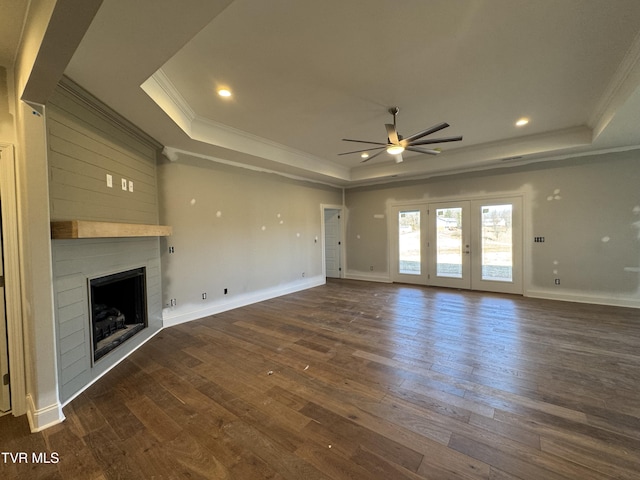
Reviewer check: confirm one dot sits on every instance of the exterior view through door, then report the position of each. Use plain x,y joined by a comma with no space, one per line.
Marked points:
461,244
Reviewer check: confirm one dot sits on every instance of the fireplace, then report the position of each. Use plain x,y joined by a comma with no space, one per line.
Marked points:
118,309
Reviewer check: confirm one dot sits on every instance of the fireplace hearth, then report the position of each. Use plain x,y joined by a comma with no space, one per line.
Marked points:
118,309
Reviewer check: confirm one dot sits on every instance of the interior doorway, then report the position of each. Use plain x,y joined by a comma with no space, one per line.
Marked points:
332,236
5,396
11,325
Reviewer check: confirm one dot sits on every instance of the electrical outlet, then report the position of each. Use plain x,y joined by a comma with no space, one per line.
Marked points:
171,250
371,268
204,296
131,185
226,290
557,281
172,302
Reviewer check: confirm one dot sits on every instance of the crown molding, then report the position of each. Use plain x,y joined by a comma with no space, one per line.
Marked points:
623,83
164,93
106,112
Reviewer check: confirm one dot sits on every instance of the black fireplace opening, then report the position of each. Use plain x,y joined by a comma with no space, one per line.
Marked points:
118,309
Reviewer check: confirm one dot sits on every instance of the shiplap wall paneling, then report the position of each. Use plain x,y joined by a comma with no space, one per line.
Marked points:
84,147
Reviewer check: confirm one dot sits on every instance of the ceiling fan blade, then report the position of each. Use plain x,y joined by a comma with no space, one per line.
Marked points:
422,150
362,141
360,151
436,140
392,134
424,133
373,156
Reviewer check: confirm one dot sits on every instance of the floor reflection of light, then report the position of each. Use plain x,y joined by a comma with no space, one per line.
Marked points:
457,331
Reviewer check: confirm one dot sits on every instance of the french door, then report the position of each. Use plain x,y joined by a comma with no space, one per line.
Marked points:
409,244
461,244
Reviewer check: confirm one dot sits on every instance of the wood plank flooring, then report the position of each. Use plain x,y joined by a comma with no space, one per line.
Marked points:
356,380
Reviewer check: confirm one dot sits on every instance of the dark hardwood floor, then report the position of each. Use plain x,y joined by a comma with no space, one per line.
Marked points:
362,380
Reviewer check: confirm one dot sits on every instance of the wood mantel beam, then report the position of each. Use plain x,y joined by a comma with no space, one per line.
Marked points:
71,229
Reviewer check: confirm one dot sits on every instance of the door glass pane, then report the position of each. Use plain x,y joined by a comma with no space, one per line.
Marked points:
449,242
409,242
497,248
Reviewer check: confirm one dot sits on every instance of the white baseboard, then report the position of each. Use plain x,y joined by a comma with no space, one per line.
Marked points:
368,277
41,418
181,314
597,299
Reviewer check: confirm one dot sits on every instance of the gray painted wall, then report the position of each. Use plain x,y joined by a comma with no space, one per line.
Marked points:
253,233
588,210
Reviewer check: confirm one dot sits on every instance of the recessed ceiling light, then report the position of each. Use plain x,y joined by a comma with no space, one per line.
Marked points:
522,122
364,155
223,92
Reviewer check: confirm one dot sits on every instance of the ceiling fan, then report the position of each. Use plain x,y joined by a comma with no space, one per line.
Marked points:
396,144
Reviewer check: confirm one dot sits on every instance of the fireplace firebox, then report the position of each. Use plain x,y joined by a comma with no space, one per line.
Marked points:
118,309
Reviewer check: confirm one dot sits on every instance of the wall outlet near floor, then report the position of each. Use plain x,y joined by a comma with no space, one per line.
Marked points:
204,296
557,281
172,302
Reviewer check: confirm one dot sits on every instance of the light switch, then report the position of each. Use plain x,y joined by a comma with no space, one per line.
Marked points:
124,184
109,180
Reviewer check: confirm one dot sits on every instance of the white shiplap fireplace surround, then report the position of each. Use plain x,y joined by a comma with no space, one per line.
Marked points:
75,262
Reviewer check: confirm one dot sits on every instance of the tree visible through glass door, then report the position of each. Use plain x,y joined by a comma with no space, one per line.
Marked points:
449,242
409,254
497,242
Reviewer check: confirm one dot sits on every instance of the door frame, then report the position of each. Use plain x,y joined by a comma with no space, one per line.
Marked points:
343,258
425,202
13,297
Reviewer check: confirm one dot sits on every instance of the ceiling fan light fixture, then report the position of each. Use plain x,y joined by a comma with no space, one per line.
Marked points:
522,122
395,149
224,92
364,155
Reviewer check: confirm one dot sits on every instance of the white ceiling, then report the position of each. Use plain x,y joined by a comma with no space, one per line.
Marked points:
306,74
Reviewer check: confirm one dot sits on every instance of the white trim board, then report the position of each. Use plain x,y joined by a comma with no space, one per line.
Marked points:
40,419
369,277
580,297
180,314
